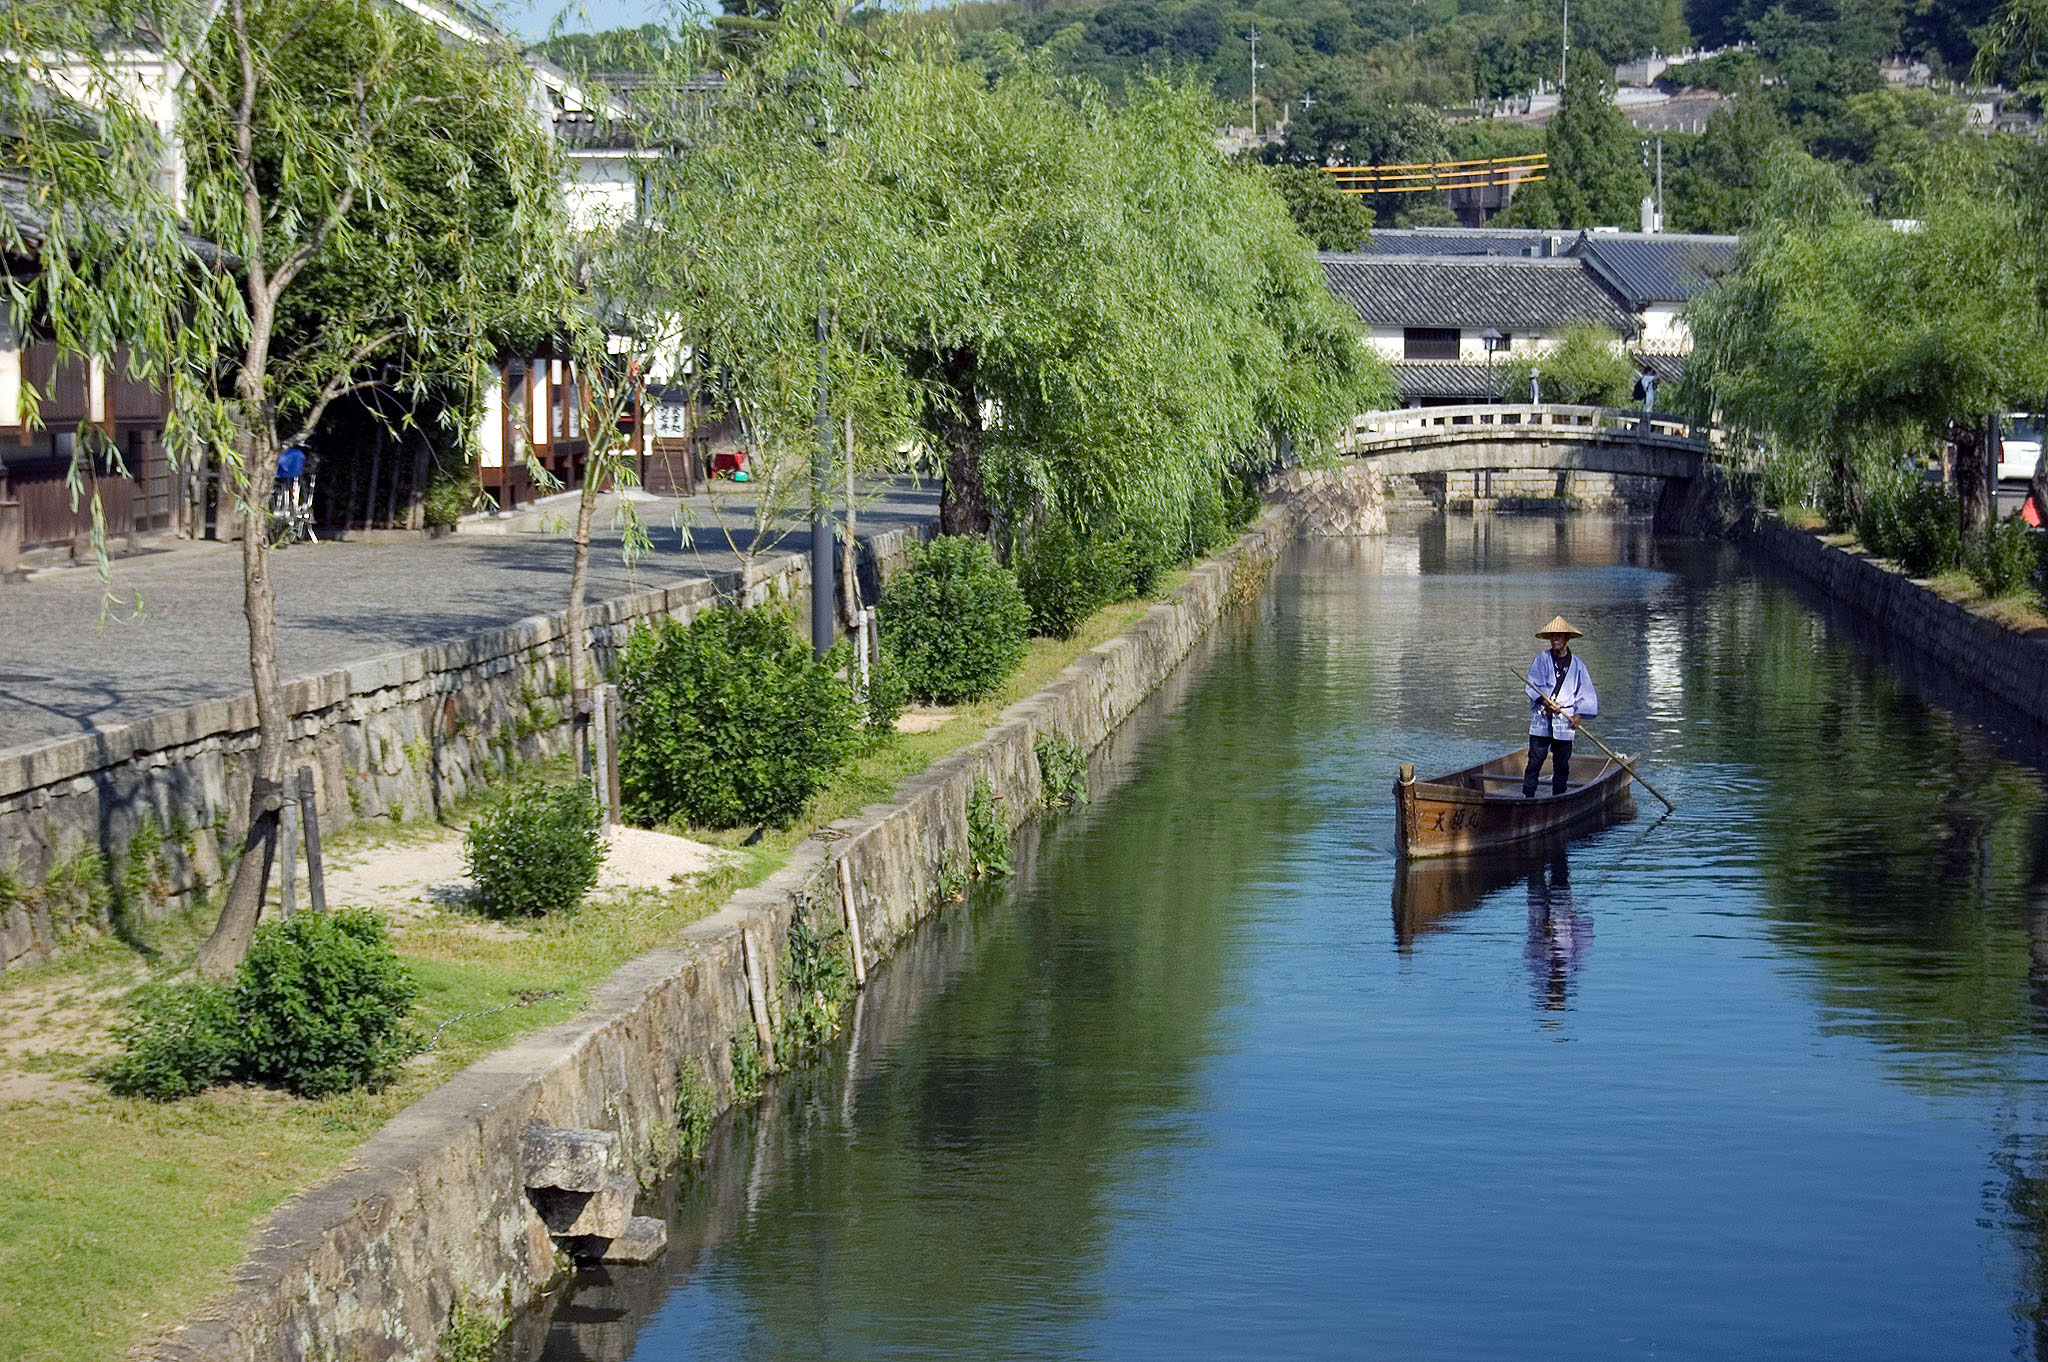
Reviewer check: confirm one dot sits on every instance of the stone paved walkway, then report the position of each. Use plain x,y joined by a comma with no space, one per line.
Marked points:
73,657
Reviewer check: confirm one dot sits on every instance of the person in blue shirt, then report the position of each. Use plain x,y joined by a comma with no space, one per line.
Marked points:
290,464
1561,680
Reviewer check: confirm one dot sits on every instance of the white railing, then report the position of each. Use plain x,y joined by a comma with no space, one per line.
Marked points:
1388,427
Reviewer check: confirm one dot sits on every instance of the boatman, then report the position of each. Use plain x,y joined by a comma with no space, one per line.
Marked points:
1560,694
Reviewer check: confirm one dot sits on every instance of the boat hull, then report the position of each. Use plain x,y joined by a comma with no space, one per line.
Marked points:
1481,807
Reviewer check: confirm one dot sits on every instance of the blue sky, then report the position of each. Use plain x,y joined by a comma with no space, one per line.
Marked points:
532,17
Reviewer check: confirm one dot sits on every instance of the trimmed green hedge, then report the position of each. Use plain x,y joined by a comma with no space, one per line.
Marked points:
954,620
729,720
538,852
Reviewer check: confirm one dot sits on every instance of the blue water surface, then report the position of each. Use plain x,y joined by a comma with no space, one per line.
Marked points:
1215,1077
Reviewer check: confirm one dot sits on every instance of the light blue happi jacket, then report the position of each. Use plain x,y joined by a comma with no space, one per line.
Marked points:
1575,696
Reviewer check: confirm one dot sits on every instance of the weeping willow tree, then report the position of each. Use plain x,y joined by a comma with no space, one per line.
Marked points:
1843,334
1122,315
299,143
1079,311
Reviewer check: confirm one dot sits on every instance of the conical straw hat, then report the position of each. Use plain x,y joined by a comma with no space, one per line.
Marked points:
1558,625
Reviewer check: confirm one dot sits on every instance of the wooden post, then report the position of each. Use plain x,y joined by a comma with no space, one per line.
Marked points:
604,742
757,997
309,820
611,748
288,852
860,968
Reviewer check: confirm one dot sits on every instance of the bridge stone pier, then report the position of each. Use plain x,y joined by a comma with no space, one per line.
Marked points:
1533,457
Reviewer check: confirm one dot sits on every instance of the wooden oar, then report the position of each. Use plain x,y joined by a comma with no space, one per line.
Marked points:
1627,766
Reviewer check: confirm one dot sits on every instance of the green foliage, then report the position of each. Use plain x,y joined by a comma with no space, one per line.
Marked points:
538,852
817,980
450,499
1331,219
954,620
142,883
696,1112
1717,181
1242,500
179,1039
1062,774
1596,174
888,693
998,242
728,720
318,1008
1065,578
2005,557
988,835
469,1337
1585,368
322,1000
619,49
1839,333
746,1068
1911,520
1793,479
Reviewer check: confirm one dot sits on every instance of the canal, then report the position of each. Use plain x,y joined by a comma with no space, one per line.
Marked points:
1208,1078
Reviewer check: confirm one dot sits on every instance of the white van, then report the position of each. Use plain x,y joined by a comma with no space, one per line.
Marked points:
2019,445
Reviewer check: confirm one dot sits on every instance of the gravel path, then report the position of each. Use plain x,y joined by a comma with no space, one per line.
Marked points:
78,655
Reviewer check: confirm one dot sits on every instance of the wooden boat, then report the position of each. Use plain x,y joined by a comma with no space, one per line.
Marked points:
1481,807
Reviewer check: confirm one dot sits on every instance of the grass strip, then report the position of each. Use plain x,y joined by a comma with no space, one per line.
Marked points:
125,1215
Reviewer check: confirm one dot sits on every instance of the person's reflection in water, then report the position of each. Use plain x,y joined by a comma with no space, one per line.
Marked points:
1559,935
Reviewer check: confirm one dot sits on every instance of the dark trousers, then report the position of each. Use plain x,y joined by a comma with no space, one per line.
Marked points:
1561,763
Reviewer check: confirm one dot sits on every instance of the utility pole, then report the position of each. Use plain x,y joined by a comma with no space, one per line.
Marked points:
1660,181
1564,54
1255,83
824,618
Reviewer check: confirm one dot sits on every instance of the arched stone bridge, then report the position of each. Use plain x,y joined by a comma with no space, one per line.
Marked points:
1497,456
1424,440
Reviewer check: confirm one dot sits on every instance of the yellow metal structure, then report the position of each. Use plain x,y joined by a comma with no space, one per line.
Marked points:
1498,172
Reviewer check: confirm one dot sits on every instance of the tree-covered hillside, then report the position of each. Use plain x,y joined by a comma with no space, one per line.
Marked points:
1447,52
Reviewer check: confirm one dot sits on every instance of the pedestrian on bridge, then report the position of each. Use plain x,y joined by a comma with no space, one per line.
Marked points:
1561,693
1646,385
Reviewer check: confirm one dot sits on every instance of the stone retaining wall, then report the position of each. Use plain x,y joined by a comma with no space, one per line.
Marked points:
431,1215
2010,666
1334,502
397,736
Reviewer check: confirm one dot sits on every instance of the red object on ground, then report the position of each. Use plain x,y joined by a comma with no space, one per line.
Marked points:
728,463
2031,511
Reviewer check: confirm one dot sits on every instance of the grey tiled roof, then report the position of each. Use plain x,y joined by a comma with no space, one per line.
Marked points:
1516,241
1415,379
1660,267
1513,293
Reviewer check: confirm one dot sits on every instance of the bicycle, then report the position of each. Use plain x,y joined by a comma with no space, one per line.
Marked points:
291,512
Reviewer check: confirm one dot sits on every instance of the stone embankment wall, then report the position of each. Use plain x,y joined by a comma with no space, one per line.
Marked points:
431,1215
163,802
2011,666
1334,502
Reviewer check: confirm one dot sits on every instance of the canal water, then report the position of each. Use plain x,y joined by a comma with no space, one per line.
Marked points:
1211,1078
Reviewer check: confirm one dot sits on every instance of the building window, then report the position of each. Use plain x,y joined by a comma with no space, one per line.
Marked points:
1429,342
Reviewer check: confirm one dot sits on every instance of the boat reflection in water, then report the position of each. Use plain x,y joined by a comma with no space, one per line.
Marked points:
1430,895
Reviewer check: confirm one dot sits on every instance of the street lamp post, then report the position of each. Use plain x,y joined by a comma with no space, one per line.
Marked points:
1494,342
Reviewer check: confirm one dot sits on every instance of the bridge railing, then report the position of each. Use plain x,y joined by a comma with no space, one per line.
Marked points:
1406,423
